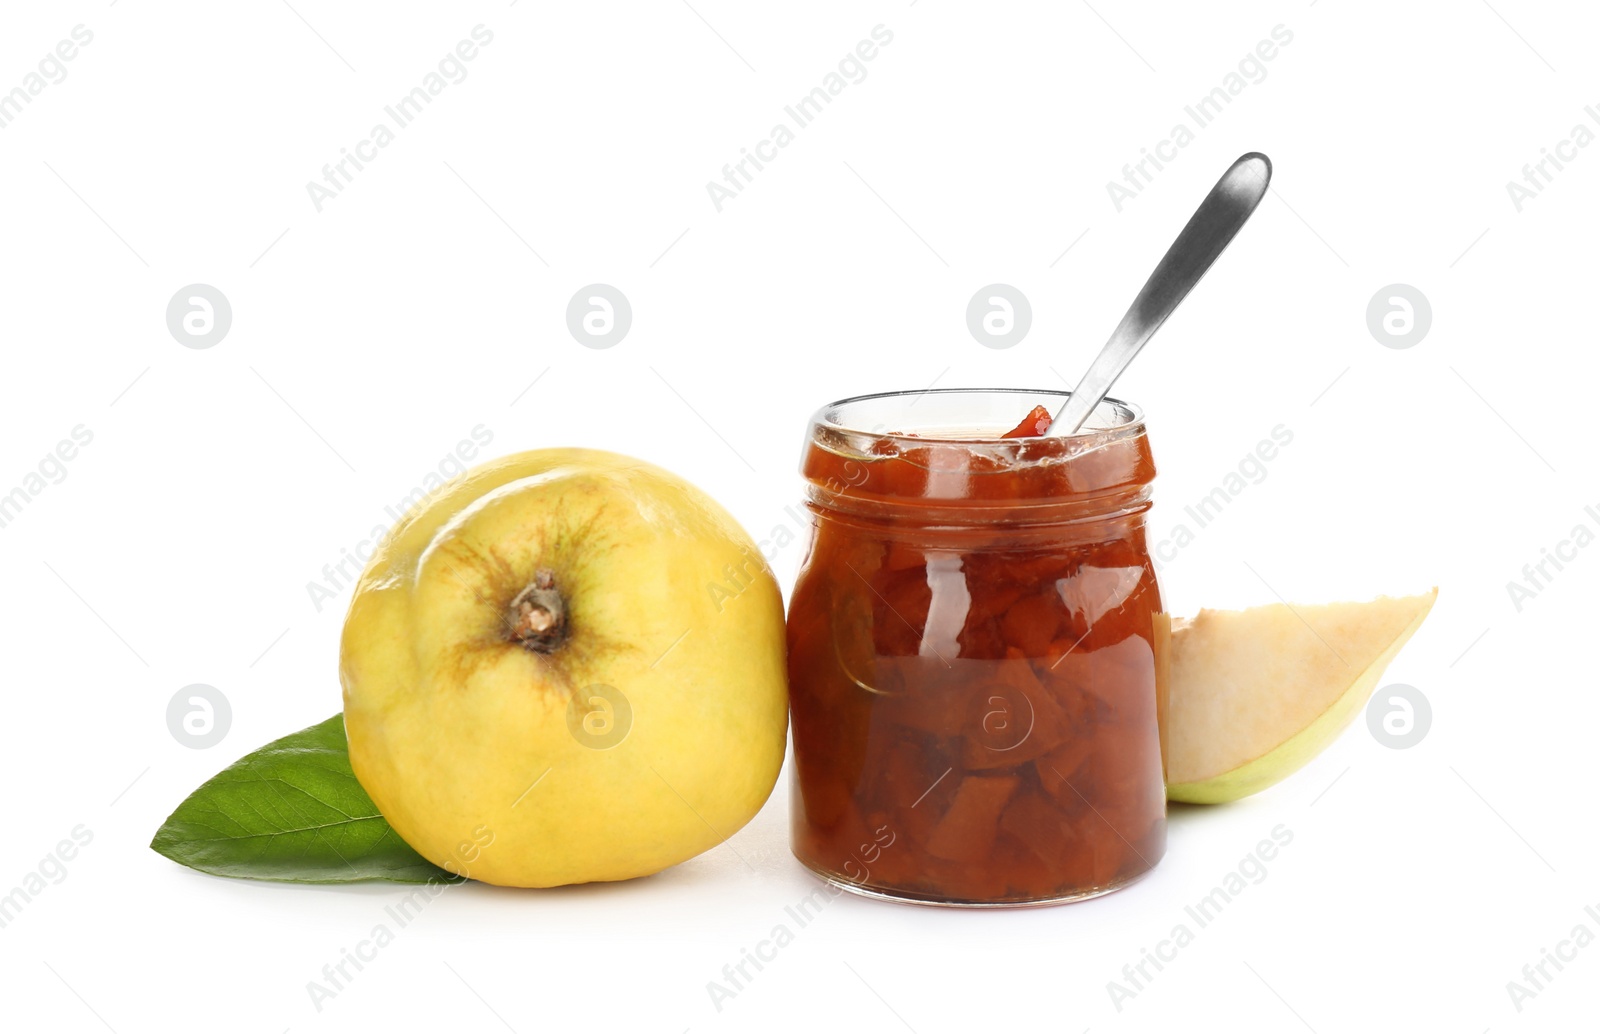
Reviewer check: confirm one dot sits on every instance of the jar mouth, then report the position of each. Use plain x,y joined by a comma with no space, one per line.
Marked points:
943,448
973,416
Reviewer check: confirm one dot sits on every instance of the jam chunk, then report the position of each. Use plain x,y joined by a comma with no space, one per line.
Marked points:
1036,423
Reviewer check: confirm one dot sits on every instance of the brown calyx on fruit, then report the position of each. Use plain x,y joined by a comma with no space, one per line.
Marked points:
537,617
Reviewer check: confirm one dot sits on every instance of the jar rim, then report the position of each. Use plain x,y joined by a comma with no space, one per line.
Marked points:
1111,418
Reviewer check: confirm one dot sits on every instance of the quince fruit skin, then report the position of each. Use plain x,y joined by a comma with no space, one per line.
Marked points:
566,667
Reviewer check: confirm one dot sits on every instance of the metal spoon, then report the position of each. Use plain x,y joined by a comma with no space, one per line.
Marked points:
1214,224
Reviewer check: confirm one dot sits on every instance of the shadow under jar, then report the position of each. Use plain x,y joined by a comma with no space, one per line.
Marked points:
973,649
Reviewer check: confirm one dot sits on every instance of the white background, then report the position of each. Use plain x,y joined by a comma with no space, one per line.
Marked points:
369,337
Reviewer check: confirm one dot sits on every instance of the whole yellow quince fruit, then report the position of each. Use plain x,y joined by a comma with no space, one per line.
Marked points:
566,667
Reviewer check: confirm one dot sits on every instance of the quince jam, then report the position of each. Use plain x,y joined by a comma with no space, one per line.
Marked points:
973,652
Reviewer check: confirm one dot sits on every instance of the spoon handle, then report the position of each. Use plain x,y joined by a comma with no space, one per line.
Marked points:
1214,224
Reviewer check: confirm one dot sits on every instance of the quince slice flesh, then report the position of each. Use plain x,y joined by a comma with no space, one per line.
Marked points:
1255,694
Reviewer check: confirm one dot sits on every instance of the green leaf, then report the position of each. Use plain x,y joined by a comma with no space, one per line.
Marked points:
292,811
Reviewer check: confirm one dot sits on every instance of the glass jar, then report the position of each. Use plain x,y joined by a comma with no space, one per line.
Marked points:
973,649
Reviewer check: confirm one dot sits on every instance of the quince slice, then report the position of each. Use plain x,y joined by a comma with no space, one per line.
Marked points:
1255,694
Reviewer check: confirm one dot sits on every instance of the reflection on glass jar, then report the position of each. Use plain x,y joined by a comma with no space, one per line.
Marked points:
973,645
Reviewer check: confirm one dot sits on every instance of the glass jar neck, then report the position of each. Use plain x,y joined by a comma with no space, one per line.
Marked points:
939,456
1023,483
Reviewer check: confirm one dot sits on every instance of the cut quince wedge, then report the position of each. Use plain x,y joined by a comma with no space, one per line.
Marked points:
1254,694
